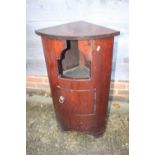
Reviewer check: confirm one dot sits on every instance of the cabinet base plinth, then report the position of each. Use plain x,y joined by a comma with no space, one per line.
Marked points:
87,124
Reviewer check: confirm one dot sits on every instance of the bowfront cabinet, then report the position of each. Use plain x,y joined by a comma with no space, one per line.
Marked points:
79,60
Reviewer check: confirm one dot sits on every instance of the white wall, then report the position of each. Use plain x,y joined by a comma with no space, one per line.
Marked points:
109,13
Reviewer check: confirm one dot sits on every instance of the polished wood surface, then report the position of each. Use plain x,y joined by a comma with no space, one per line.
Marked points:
86,100
81,104
80,30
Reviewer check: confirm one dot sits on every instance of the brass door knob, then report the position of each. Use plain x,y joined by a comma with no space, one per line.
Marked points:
61,99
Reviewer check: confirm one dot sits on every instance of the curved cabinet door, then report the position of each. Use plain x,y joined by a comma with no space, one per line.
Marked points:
76,101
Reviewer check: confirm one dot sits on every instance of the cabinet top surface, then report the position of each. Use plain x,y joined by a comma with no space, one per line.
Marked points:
77,31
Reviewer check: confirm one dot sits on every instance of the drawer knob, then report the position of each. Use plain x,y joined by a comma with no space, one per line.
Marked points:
61,99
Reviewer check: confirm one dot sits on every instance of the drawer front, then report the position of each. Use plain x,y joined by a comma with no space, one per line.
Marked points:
77,101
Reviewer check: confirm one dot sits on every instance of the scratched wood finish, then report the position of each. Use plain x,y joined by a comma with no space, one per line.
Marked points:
85,104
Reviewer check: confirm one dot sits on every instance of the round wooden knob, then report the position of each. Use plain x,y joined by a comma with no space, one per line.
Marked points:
61,99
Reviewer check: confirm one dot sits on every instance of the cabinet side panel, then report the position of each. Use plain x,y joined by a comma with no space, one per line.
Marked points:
48,60
52,50
103,49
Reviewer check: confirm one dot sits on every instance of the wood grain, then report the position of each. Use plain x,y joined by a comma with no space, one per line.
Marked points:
85,101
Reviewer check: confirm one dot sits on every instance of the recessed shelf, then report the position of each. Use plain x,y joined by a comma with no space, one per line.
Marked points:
74,63
77,72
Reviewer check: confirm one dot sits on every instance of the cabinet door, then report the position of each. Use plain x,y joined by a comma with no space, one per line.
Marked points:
77,101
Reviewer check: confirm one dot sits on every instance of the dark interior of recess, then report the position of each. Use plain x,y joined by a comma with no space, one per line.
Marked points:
73,63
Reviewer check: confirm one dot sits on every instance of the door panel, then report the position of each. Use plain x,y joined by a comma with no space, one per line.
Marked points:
77,101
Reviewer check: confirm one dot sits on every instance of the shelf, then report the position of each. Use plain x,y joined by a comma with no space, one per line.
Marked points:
77,72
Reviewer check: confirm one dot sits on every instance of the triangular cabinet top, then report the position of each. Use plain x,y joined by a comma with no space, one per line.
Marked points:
79,30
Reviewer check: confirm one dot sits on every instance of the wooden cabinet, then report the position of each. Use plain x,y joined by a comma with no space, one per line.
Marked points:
79,59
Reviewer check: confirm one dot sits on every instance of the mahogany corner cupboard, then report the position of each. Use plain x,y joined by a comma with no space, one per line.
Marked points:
78,58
